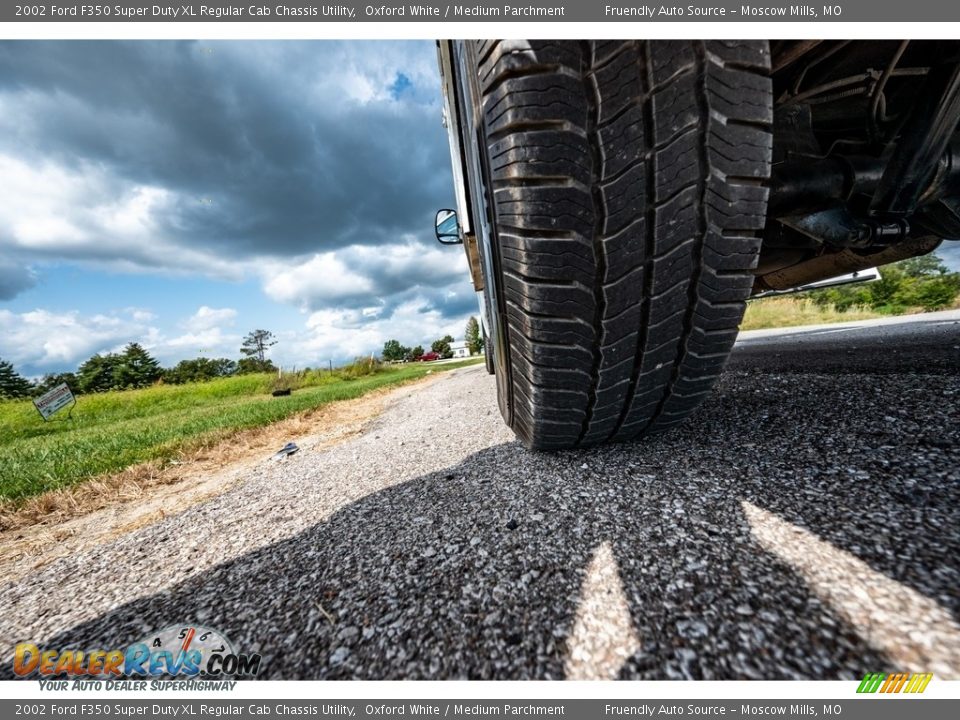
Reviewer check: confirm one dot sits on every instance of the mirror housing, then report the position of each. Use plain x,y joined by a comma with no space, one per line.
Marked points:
447,227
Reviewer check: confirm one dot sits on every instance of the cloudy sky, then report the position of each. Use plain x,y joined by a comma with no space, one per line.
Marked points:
181,194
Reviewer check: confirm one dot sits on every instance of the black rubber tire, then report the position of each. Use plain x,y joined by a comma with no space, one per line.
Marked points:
488,354
627,188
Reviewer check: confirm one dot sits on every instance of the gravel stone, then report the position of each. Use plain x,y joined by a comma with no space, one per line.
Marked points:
817,479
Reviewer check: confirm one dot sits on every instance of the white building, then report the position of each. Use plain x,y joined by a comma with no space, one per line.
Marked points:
460,349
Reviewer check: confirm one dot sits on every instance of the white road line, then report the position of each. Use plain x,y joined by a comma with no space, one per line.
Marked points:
915,632
828,332
603,637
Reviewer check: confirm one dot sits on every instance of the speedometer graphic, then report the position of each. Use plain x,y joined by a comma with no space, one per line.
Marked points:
181,650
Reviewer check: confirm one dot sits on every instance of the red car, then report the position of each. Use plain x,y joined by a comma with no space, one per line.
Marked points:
427,357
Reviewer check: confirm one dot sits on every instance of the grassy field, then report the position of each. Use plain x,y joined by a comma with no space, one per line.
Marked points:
779,312
112,431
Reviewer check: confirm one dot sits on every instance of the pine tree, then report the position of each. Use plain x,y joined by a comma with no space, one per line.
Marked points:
255,345
96,374
12,383
136,369
473,336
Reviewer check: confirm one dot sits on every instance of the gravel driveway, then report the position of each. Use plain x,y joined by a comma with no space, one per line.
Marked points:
804,524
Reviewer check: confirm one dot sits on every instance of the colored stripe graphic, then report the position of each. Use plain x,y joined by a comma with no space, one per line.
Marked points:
924,680
889,683
870,683
894,683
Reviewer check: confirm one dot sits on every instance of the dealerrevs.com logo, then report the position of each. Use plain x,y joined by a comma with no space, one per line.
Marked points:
178,650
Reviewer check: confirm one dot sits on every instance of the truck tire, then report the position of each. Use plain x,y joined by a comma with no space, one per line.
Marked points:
488,354
626,184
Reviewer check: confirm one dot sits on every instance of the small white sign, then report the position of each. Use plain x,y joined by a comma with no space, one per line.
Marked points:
54,399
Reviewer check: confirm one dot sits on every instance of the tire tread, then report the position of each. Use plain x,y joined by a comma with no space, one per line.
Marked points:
628,182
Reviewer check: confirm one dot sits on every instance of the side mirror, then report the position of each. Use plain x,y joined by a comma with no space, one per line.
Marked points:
448,227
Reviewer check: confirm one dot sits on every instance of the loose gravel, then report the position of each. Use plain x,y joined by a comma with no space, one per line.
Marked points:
434,546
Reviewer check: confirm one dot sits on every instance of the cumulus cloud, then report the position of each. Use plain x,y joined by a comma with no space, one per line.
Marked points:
43,339
85,214
141,315
360,275
252,148
206,334
207,318
321,279
313,167
211,342
40,341
346,333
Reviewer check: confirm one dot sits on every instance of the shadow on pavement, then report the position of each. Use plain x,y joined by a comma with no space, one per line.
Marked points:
478,571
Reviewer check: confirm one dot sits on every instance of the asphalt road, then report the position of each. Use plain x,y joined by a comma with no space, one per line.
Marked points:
804,524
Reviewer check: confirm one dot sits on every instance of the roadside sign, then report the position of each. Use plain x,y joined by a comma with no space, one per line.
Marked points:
53,400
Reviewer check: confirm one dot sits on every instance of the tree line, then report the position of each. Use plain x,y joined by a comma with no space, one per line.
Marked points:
394,351
919,282
134,367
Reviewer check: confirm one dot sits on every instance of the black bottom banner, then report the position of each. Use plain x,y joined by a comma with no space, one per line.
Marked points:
873,708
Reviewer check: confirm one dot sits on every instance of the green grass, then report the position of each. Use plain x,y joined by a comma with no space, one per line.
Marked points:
778,312
111,431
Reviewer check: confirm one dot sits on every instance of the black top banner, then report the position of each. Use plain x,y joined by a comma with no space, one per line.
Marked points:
483,11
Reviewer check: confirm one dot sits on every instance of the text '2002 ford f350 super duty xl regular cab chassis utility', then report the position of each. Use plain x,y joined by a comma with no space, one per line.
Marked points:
620,201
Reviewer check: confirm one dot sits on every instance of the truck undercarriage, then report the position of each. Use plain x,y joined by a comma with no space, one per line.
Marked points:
619,202
865,159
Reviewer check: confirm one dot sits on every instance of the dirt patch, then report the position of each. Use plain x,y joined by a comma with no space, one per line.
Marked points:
62,522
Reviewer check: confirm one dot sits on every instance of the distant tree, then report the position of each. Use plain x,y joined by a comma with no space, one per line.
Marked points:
96,374
920,282
883,290
199,370
473,336
923,266
51,381
223,367
393,351
249,365
12,383
923,282
442,346
256,343
936,293
416,353
136,368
